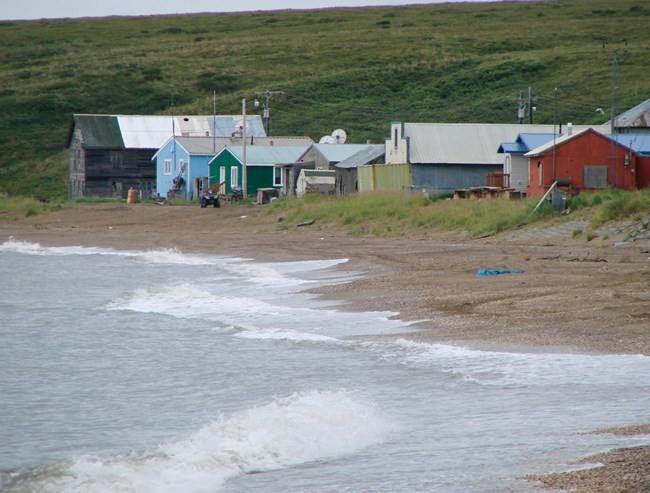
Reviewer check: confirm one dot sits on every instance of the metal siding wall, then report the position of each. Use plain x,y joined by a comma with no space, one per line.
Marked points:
364,175
444,179
395,177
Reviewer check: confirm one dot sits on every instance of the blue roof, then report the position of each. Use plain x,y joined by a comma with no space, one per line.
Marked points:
532,141
511,148
638,142
525,142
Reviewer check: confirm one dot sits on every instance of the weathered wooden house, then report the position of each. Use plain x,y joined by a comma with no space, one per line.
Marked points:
263,166
445,157
589,160
325,156
109,154
182,163
347,179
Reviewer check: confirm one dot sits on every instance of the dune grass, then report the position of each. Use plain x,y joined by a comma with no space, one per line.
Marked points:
398,214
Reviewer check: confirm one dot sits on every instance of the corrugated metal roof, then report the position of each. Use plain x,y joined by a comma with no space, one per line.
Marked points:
268,154
462,143
335,153
467,143
210,145
152,131
638,142
512,148
639,116
544,148
531,141
99,131
369,153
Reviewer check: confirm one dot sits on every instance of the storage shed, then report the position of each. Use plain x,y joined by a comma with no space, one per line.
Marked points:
315,181
589,160
347,180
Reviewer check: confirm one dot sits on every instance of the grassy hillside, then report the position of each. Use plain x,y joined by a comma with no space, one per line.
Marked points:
358,69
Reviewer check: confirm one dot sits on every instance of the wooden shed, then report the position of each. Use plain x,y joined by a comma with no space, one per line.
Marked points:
589,160
347,179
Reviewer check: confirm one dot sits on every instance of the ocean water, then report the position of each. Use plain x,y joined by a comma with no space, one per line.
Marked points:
160,371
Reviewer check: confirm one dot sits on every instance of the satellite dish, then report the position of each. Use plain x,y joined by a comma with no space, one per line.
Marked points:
339,136
324,139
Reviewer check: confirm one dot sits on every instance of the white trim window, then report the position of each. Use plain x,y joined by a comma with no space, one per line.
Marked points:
234,177
168,167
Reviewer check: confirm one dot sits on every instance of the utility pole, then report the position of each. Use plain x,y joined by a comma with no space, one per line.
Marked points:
244,181
614,92
530,105
266,114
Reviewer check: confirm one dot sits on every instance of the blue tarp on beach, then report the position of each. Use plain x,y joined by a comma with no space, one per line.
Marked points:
494,272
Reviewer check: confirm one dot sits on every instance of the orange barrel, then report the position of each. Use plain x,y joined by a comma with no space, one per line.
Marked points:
132,198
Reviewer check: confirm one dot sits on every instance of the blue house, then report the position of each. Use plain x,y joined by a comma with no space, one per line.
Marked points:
182,165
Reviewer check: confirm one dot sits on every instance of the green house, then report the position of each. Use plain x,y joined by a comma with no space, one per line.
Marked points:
263,166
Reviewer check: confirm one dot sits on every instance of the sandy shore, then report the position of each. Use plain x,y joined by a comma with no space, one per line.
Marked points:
572,294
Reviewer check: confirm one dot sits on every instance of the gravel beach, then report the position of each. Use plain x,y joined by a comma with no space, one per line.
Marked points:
571,294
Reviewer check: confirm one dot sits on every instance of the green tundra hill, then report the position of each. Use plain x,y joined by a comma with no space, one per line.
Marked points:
354,68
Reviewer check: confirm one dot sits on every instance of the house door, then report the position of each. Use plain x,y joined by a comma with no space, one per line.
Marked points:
222,179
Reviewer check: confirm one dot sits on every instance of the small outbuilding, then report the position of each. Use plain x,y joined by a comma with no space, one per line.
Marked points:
316,181
589,160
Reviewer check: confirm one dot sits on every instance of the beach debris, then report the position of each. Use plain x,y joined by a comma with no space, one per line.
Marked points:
495,272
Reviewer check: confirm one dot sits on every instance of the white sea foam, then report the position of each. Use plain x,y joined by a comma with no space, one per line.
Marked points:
283,335
28,248
173,256
509,368
302,428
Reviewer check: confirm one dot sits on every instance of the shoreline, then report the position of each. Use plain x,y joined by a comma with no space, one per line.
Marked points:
571,296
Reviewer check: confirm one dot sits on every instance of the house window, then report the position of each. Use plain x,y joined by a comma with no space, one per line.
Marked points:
168,167
277,176
234,176
395,139
540,171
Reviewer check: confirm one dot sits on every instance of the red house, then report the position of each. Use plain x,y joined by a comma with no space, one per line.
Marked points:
587,160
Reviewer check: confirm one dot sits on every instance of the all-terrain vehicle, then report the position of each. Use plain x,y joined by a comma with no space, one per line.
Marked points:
209,198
